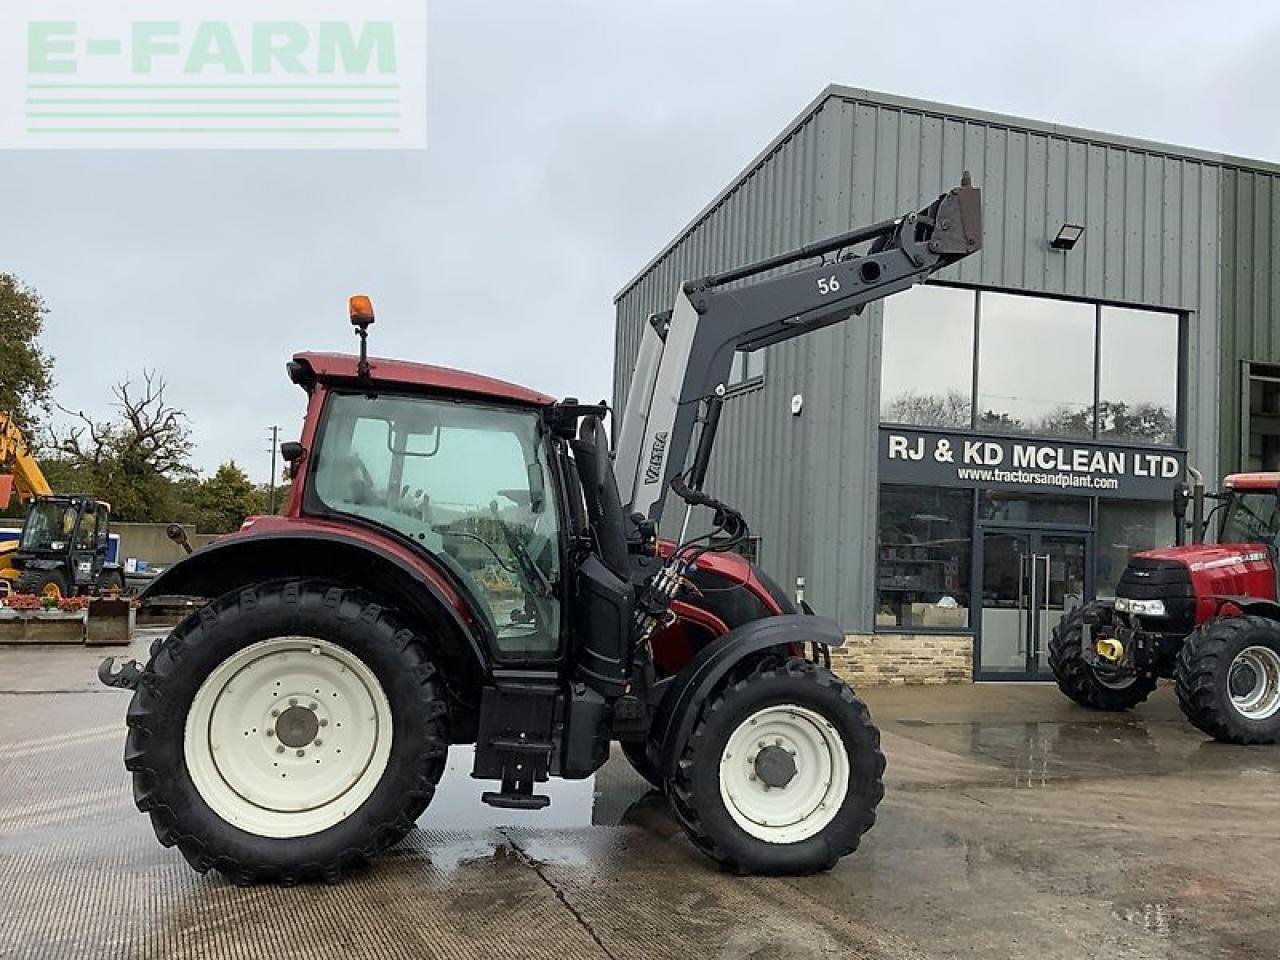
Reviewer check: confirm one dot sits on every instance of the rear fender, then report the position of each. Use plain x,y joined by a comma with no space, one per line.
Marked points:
416,589
683,701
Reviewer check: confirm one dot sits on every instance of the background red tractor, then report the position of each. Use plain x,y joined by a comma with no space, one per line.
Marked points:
1204,614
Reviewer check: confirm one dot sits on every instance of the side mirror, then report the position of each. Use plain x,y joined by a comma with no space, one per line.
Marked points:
292,451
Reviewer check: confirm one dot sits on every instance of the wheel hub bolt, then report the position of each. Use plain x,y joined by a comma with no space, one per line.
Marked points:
319,743
324,722
312,706
302,753
275,713
280,748
293,701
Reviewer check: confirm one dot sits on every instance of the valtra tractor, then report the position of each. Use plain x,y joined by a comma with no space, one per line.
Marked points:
1204,614
464,561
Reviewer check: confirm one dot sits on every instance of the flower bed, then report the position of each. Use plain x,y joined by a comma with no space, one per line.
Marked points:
30,619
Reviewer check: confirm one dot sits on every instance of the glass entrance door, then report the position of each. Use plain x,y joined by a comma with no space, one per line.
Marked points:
1029,579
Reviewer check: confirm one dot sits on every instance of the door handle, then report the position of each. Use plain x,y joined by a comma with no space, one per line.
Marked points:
1039,602
1023,601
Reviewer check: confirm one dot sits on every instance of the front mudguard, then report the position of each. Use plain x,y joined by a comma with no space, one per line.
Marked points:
678,711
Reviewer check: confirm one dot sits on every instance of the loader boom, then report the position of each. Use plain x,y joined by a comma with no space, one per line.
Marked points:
685,354
16,462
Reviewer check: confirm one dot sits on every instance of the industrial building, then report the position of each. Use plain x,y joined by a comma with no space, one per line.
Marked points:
951,469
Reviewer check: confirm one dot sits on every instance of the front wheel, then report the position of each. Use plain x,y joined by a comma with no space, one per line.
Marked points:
47,584
1080,681
782,774
1228,679
637,754
287,732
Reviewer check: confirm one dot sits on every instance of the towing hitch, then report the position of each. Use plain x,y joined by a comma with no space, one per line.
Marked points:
126,678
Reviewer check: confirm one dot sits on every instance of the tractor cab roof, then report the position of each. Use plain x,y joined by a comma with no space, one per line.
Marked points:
1253,482
340,368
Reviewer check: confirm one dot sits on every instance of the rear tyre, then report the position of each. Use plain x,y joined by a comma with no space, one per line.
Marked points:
1077,679
43,583
636,752
287,733
1228,679
782,773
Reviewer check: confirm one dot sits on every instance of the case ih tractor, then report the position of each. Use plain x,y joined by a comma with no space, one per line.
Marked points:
459,565
1204,614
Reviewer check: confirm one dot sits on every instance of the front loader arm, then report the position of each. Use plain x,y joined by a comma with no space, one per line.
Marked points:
687,354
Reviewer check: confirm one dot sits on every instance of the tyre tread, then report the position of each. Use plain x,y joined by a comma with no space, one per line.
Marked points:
183,829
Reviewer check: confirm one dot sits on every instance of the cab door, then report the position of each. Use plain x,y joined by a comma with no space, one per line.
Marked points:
85,559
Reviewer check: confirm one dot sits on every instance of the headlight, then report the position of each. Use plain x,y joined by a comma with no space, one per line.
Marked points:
1143,608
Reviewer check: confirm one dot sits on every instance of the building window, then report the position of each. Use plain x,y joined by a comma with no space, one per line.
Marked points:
1010,506
1044,366
1036,365
1264,418
922,557
746,367
926,371
1124,528
1138,385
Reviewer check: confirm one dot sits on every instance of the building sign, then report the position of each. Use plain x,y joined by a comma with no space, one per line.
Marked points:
1032,464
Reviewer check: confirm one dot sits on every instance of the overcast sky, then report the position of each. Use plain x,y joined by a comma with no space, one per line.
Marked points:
567,141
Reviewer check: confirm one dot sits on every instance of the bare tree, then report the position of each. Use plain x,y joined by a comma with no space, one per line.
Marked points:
130,458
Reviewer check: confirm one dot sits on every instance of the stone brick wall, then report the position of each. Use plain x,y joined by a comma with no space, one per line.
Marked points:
880,659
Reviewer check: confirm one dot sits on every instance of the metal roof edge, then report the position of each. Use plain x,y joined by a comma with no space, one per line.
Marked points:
947,111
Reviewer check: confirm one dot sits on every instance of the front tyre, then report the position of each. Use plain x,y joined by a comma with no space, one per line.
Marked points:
287,732
637,754
1228,679
47,584
782,773
1078,680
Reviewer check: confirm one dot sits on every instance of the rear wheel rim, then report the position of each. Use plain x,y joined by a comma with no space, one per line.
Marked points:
288,736
791,743
1253,682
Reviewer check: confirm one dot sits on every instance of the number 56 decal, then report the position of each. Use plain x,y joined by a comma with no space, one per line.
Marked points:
828,285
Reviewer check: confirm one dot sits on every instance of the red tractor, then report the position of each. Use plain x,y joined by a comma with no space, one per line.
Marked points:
459,565
1204,614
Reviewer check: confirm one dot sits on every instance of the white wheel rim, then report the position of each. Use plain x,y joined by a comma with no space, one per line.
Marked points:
813,794
1261,699
288,736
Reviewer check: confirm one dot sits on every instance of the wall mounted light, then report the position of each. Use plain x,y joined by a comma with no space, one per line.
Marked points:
1068,236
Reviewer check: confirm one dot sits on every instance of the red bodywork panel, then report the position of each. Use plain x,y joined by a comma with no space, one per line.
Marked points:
303,526
421,376
1222,569
693,628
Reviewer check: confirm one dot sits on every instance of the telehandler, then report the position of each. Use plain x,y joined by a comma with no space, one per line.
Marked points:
65,546
458,565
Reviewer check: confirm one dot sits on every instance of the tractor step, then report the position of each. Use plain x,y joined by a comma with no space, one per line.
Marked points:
516,801
514,745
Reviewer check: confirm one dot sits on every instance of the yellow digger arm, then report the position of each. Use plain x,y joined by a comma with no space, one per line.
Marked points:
17,463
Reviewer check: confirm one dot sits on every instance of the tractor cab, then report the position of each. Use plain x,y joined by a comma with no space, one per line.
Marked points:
1250,509
65,548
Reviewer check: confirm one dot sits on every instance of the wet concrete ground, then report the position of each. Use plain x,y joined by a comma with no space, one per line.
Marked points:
1015,825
